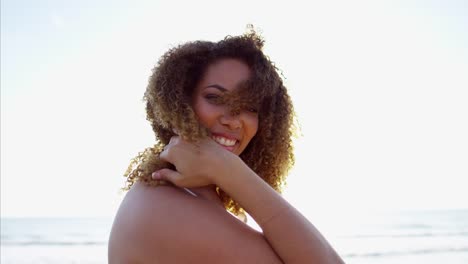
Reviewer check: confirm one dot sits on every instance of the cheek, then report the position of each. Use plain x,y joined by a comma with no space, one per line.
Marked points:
252,125
205,113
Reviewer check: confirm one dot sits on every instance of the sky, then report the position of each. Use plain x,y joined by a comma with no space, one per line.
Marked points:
380,89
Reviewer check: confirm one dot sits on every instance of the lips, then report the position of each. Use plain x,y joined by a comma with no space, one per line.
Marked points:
225,141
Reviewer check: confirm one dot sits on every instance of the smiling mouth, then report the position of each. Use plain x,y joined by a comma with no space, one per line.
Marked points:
225,142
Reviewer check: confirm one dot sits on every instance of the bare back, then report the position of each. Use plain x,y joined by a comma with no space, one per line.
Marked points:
168,225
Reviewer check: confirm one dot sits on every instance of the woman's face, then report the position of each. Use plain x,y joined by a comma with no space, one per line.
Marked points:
233,131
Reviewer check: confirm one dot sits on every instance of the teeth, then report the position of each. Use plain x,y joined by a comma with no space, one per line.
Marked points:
224,141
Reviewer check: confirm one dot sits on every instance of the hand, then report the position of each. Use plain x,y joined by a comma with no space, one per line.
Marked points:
197,164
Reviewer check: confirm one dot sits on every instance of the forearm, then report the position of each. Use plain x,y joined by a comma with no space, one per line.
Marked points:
289,233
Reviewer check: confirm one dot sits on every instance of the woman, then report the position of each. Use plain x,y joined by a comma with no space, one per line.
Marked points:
223,122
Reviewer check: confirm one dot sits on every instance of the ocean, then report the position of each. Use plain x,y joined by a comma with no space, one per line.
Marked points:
406,237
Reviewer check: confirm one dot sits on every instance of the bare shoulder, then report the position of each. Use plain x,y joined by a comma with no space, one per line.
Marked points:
167,225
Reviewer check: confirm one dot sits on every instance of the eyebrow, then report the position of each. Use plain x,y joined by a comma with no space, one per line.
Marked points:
217,86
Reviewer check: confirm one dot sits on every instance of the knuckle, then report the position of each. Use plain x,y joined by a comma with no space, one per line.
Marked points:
171,141
163,153
166,155
175,139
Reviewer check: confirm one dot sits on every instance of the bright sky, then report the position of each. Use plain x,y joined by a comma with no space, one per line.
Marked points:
380,87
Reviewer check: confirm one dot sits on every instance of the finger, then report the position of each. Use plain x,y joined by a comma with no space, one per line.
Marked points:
167,175
174,140
164,155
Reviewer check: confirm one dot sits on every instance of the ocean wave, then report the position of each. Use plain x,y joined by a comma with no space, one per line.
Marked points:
415,226
406,252
53,243
446,234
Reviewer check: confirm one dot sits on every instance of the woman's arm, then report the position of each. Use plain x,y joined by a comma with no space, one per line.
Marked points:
290,234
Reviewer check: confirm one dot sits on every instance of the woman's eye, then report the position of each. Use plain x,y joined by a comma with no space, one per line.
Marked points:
252,110
214,98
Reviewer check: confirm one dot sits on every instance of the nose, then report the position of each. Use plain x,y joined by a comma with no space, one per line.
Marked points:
231,118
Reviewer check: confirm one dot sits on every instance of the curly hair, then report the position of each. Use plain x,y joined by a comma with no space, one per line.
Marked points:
168,108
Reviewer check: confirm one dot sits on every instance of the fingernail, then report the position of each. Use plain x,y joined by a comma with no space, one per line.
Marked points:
156,175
